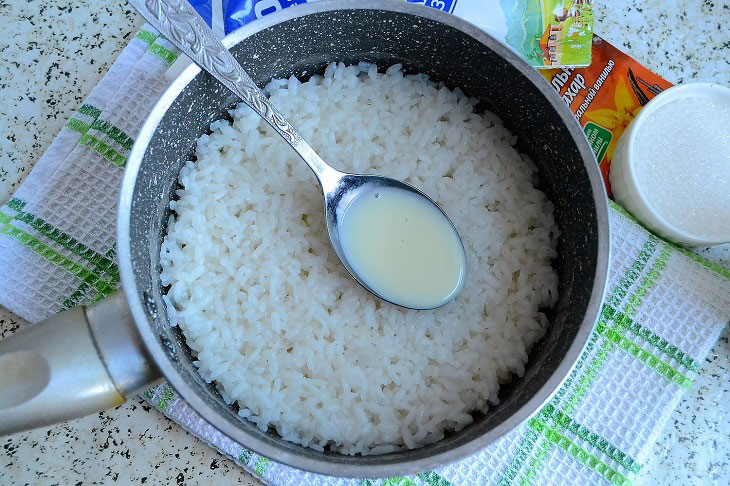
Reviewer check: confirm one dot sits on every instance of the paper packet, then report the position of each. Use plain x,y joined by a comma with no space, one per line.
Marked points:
605,96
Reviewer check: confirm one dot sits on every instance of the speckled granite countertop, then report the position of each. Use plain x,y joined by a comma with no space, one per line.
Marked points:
51,55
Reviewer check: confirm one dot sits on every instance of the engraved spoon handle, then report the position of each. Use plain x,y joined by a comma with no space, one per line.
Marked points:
183,27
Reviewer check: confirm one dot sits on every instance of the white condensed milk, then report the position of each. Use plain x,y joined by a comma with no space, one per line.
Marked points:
403,247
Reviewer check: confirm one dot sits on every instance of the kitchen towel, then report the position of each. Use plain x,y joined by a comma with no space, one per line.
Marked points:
663,311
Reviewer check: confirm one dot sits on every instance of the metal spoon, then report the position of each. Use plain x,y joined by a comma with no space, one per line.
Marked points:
183,27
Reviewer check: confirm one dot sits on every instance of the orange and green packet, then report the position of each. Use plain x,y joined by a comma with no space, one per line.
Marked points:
605,96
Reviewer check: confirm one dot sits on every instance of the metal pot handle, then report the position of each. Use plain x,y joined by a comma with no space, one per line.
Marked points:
75,363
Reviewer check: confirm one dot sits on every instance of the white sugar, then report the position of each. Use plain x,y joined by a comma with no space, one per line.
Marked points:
683,165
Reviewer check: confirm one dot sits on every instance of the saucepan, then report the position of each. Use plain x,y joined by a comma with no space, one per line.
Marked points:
87,359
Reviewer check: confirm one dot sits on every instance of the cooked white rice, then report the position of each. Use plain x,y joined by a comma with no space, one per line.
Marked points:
279,325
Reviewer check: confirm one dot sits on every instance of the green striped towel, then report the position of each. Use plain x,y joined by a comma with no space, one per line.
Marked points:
664,308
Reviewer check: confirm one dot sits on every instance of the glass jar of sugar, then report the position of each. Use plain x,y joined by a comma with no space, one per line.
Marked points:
671,167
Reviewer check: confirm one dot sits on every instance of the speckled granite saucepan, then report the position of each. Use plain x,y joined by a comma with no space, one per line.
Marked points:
90,358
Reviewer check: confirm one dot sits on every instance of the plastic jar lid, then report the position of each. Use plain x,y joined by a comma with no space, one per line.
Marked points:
624,183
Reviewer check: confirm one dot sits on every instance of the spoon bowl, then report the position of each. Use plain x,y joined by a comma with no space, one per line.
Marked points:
340,197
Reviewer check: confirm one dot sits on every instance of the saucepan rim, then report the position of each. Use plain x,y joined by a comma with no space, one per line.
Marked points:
322,464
